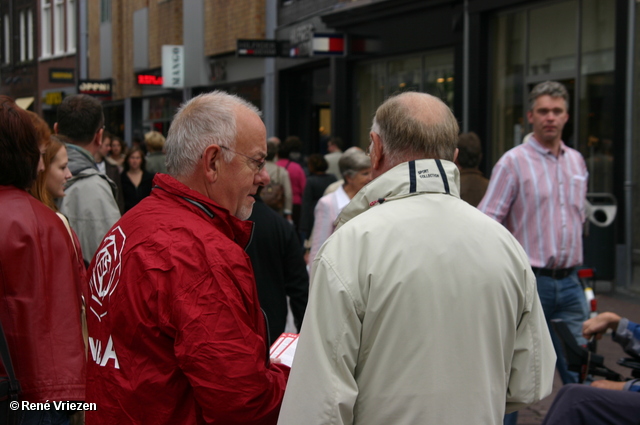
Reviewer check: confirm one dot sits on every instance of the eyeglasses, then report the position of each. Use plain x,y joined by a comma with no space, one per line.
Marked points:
259,163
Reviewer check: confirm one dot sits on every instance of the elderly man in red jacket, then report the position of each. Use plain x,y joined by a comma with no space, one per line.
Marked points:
176,333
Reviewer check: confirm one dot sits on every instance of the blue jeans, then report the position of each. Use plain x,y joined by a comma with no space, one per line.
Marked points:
564,299
510,418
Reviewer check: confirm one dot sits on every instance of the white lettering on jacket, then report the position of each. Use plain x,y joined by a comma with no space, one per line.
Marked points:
101,358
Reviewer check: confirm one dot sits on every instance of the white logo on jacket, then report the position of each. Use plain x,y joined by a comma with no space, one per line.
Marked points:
106,271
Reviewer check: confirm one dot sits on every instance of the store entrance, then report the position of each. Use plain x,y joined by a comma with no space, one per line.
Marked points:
305,102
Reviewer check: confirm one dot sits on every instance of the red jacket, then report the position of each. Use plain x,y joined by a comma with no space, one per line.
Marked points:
40,304
175,328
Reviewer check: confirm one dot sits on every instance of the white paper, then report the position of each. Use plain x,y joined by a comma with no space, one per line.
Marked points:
284,348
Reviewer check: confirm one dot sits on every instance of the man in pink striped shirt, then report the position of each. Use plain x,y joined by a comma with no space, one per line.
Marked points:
537,191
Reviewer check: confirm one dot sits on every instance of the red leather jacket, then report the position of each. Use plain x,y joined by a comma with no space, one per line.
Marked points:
40,304
175,328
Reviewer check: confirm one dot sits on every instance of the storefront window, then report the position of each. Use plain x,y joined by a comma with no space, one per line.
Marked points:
636,150
375,81
552,38
371,90
437,76
405,75
158,112
541,43
507,110
596,100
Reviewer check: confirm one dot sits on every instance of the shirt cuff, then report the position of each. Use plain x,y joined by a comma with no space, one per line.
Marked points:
622,326
632,385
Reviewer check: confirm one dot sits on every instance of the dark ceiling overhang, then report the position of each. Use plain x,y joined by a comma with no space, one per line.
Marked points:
361,11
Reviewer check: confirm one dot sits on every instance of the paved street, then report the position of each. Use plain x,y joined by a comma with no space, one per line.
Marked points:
623,303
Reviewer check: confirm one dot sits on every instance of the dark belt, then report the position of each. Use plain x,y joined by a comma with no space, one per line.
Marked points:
553,273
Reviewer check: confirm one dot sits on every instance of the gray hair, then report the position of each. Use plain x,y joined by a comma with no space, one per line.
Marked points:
549,88
207,119
416,125
352,161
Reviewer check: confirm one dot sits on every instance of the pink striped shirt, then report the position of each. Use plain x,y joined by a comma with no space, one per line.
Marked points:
541,200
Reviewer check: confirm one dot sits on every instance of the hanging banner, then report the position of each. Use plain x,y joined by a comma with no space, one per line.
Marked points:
173,67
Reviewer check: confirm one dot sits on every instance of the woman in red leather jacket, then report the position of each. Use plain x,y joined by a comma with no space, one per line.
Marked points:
40,305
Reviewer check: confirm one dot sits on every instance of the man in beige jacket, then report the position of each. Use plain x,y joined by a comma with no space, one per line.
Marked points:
422,310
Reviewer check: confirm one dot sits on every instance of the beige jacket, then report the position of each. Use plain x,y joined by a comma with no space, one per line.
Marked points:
422,310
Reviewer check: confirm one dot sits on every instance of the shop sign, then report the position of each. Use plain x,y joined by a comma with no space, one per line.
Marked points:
149,80
98,88
257,48
61,75
173,66
301,41
53,98
328,44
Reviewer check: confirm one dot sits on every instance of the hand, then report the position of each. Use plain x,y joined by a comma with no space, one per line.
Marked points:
599,325
608,385
275,361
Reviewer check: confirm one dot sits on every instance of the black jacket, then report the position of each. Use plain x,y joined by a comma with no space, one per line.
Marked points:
133,195
278,262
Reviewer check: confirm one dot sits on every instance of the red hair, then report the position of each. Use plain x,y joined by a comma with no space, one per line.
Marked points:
19,146
39,188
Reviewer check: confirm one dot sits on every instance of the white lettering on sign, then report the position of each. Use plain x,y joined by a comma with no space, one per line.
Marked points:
88,86
173,66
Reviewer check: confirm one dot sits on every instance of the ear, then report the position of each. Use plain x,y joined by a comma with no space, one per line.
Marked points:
530,116
211,162
97,138
377,151
455,155
55,128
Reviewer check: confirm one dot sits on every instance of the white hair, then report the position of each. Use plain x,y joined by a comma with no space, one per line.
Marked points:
207,119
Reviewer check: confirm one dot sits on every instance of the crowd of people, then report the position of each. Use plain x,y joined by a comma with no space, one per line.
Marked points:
151,280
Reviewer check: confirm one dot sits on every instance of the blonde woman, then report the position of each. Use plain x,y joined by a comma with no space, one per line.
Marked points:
155,152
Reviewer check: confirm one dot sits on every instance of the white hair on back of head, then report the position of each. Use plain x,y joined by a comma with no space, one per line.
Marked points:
207,119
416,125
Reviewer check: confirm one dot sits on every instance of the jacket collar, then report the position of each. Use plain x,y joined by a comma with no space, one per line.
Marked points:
234,228
79,159
82,165
407,179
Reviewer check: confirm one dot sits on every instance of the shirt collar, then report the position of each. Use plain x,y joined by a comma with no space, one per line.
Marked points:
530,138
